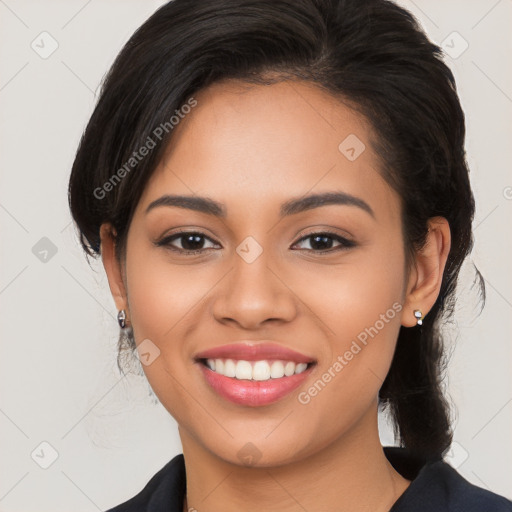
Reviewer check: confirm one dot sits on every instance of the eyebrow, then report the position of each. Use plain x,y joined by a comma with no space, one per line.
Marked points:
290,207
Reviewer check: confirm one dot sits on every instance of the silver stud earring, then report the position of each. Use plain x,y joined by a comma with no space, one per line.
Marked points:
121,318
419,317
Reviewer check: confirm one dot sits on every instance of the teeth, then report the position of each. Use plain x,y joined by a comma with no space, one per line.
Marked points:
300,367
289,368
255,370
277,370
243,370
229,368
261,370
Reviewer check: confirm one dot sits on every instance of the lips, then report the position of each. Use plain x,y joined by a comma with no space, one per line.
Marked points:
254,352
242,387
250,392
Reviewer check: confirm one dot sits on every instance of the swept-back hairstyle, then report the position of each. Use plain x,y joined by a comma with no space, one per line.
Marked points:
373,56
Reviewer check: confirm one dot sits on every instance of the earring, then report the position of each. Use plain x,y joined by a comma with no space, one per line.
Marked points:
121,318
419,316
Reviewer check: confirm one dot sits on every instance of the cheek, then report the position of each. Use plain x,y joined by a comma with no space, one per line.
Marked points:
164,301
161,295
355,295
359,307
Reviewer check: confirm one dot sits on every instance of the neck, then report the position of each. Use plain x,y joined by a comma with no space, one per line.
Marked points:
350,474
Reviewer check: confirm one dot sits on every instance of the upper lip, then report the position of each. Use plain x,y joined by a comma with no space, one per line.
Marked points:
250,351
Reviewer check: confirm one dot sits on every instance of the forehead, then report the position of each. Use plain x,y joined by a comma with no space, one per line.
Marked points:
258,145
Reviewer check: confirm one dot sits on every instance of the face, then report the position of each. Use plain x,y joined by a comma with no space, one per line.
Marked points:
266,268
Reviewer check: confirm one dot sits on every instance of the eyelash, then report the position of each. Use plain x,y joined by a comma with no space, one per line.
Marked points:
345,243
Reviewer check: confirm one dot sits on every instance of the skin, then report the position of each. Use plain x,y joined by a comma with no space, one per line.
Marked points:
253,148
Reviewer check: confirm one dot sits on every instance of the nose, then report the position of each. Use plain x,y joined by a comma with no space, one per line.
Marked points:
253,294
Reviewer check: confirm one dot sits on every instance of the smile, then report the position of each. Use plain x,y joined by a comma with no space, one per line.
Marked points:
255,370
254,374
252,392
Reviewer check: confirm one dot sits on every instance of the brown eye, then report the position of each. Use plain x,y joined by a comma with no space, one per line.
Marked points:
323,242
191,242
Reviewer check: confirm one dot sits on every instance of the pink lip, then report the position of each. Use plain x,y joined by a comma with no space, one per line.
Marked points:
250,392
254,352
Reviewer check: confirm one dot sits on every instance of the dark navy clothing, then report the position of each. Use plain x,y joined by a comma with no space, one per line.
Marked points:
435,487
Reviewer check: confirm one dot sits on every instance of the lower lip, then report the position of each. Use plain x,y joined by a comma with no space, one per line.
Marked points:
253,393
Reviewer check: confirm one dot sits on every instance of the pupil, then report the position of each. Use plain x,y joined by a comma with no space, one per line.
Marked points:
190,240
322,244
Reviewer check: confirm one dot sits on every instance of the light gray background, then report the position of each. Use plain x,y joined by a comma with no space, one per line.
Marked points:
58,382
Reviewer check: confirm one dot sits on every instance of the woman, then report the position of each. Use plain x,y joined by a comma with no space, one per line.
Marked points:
279,194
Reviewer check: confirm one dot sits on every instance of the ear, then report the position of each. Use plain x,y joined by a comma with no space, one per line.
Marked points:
113,268
426,273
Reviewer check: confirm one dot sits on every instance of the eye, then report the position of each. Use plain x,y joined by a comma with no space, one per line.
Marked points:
322,242
192,242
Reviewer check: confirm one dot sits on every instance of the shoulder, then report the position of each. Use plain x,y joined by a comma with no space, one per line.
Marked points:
439,487
166,488
466,496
